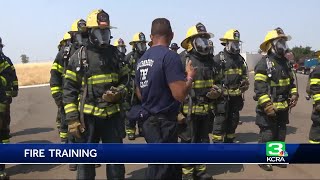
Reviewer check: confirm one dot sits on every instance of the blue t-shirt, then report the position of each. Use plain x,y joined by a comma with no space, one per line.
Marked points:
158,67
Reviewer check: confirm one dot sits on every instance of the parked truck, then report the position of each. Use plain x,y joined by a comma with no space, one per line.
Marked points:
307,66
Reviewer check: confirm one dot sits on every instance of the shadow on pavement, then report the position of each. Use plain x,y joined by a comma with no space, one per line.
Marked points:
32,131
37,141
138,174
247,137
223,169
25,169
291,130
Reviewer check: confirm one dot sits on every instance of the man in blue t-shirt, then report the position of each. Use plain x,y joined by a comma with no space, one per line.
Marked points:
161,85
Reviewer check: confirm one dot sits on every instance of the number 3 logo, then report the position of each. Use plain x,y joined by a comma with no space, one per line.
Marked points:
274,148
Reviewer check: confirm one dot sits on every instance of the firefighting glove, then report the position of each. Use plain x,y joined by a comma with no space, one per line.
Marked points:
244,86
181,118
75,128
214,93
270,110
293,100
112,96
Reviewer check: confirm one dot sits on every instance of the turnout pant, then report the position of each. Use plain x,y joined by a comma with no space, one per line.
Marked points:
198,131
108,130
314,134
5,132
272,129
162,129
227,116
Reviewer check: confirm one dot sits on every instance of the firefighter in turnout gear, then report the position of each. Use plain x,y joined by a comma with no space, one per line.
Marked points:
197,107
313,90
276,92
139,47
56,81
73,40
7,79
230,85
11,92
93,91
174,47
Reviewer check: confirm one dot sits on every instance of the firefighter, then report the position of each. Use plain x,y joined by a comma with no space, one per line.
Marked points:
275,89
119,43
73,40
92,93
139,47
313,90
198,106
174,47
6,79
56,82
11,92
231,83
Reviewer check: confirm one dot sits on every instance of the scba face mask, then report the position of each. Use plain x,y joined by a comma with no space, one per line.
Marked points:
280,47
201,45
122,49
233,47
141,47
100,37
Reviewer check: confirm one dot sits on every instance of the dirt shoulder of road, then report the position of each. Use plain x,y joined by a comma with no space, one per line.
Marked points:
33,73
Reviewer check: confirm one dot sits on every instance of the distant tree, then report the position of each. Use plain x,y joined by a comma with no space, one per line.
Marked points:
24,59
302,53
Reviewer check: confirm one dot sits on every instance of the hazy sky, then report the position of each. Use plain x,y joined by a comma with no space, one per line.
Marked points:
35,27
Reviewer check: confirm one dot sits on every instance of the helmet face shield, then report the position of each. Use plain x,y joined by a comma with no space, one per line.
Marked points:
100,37
122,49
280,46
233,47
201,45
141,47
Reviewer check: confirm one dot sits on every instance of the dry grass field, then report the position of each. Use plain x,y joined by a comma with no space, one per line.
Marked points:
33,73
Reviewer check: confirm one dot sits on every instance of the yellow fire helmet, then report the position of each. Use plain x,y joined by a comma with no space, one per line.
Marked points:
138,37
98,19
198,29
78,25
119,42
272,35
230,35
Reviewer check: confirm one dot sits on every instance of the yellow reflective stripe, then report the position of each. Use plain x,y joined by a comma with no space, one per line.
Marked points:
101,112
103,78
70,108
293,90
198,108
203,83
234,71
4,65
314,81
71,75
188,170
260,77
313,142
201,168
57,67
15,83
232,92
130,131
63,135
55,89
230,136
280,105
263,99
216,137
2,107
282,82
3,80
6,141
316,97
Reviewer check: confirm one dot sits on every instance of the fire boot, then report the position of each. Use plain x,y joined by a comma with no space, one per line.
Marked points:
266,167
131,134
3,175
